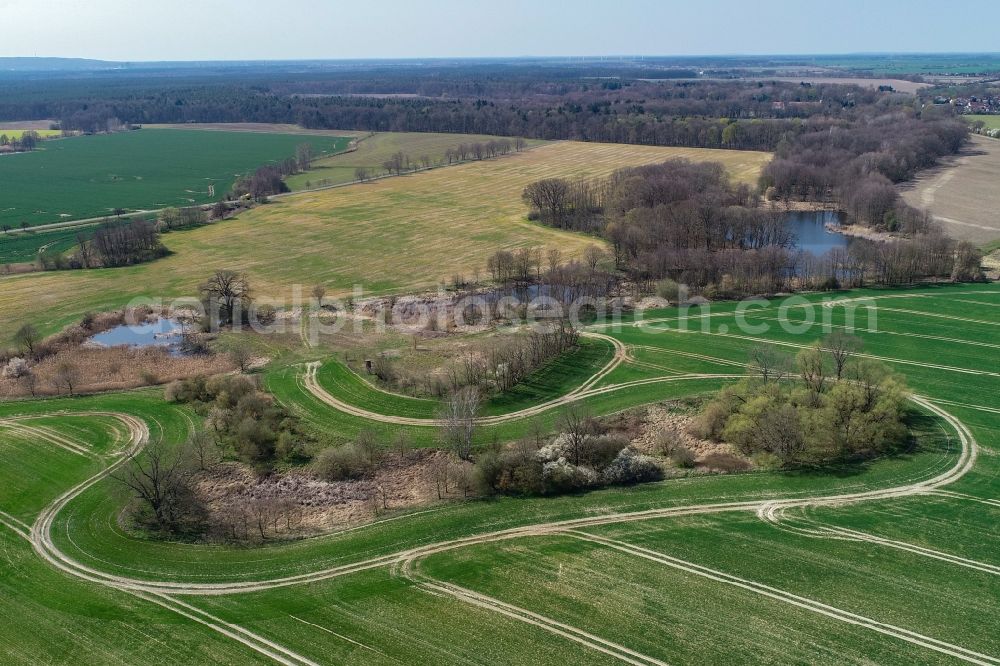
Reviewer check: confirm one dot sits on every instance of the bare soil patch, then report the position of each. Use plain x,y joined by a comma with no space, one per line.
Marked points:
962,193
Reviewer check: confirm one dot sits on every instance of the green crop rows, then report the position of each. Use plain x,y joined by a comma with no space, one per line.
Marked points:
717,585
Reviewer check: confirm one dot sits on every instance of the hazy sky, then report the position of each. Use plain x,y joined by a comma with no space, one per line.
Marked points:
290,29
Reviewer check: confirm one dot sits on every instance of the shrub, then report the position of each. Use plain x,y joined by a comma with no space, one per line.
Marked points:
725,462
669,290
15,368
598,452
667,440
341,463
683,457
559,476
630,467
766,461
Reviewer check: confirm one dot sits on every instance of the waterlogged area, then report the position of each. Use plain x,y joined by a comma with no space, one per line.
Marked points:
163,332
812,234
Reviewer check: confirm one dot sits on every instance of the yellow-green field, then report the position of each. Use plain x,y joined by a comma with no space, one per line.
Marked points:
399,234
18,133
372,151
992,122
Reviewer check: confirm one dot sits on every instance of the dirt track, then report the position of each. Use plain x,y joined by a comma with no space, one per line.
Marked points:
165,592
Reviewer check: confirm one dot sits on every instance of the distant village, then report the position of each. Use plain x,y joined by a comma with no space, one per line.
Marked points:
972,104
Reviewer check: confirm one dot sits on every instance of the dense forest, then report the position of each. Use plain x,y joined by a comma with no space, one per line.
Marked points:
624,104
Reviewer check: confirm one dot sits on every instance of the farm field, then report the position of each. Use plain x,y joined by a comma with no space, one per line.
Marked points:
14,133
992,122
373,150
385,236
962,193
900,85
90,176
894,561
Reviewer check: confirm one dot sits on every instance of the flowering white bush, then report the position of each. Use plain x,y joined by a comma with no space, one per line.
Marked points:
16,367
560,476
631,467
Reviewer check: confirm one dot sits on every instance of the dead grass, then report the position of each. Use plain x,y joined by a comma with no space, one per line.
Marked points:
113,369
324,506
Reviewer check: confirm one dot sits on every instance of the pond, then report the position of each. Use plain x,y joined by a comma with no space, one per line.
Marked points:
160,333
811,233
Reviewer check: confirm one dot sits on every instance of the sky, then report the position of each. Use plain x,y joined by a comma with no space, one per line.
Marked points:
136,30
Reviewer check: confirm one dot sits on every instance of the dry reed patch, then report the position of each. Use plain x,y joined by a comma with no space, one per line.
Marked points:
660,418
99,369
322,506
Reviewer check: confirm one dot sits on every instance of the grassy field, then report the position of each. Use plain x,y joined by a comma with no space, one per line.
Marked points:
90,176
992,122
399,234
713,587
373,150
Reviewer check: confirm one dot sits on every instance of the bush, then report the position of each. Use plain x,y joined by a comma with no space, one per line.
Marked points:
669,290
725,462
630,467
598,452
341,463
667,440
559,476
16,367
766,461
683,457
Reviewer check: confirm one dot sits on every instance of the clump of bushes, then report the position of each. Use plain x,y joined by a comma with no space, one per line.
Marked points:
839,407
243,417
354,460
572,462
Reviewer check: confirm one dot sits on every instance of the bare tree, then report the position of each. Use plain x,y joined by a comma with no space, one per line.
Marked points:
203,448
459,417
574,423
841,347
241,354
228,293
27,338
550,197
768,363
66,377
303,156
159,480
318,292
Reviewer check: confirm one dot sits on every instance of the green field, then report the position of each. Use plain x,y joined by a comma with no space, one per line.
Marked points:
992,122
91,176
900,577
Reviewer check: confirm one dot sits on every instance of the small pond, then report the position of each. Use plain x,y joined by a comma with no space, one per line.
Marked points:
160,333
811,233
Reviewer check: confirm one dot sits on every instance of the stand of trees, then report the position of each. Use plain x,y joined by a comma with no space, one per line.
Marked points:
857,163
114,244
685,222
834,406
27,142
